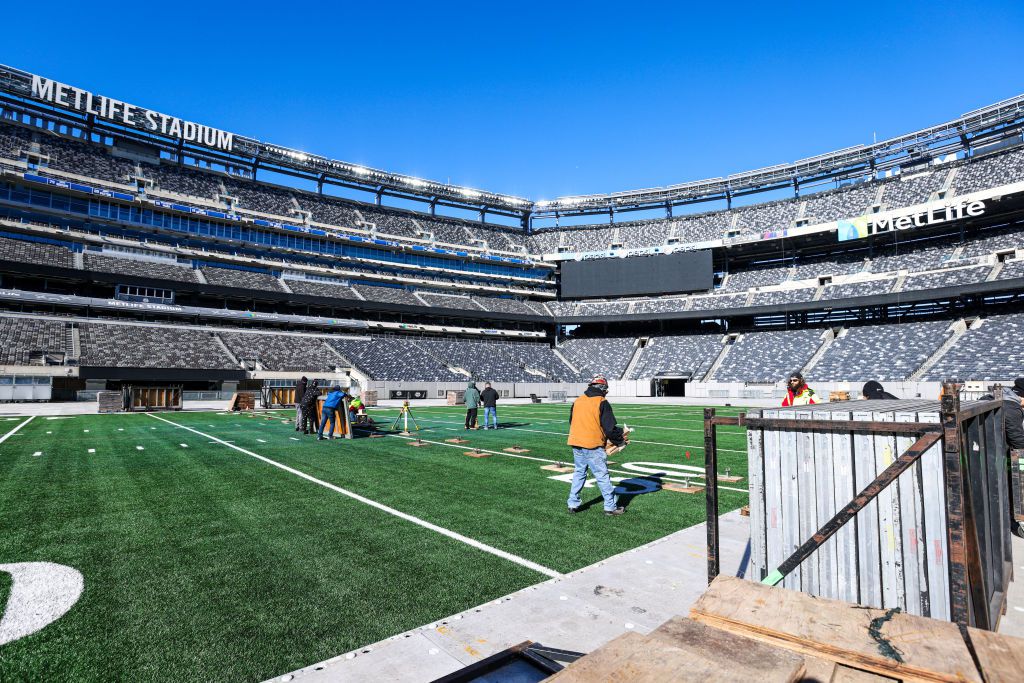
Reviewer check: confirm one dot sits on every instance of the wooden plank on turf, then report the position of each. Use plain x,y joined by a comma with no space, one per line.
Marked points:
558,468
930,650
1001,657
736,657
476,454
516,449
846,674
647,659
672,486
456,440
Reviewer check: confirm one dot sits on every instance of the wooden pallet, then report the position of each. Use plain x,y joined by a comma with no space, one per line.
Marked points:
741,630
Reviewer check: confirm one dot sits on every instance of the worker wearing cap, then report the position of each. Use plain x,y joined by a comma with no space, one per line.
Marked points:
798,394
591,425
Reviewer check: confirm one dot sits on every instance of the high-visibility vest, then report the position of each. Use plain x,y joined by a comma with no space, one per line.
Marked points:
585,430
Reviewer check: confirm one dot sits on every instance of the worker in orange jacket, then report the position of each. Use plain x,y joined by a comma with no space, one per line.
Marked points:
591,426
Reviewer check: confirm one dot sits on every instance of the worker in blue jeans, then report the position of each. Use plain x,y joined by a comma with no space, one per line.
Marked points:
330,408
591,425
489,397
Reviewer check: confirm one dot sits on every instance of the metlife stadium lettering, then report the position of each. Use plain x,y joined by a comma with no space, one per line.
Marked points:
861,227
117,111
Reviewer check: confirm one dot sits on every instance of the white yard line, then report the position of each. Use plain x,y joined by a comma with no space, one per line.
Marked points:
695,475
15,430
650,443
380,506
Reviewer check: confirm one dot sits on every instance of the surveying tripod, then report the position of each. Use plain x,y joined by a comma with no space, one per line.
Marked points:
404,416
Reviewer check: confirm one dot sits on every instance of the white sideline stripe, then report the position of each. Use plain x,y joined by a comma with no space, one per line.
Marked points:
15,430
631,473
380,506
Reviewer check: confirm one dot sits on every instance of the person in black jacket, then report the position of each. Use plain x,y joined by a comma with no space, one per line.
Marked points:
300,392
489,397
309,400
1013,414
873,391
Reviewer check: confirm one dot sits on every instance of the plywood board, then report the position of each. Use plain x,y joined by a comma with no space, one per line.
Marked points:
1001,657
871,639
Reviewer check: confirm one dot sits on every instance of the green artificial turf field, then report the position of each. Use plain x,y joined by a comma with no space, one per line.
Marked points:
203,562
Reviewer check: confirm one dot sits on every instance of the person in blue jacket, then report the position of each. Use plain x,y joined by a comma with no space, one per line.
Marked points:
331,406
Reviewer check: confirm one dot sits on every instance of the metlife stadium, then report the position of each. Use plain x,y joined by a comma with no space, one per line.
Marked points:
146,257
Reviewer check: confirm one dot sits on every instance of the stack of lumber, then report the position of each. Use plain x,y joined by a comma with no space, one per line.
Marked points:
242,400
110,401
745,631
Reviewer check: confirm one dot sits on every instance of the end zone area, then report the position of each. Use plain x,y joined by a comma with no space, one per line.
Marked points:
225,546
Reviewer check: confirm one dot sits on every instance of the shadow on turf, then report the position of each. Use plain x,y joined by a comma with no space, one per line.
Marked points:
625,499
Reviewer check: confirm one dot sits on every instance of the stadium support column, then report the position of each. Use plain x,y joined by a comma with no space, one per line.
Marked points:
796,188
433,206
668,210
483,214
611,216
380,192
320,184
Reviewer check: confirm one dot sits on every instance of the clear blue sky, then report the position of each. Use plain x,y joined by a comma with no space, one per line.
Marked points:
535,100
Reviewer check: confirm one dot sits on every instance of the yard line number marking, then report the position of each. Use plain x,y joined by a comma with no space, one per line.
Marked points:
380,506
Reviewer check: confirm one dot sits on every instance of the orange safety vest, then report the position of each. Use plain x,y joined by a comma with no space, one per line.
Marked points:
805,397
585,429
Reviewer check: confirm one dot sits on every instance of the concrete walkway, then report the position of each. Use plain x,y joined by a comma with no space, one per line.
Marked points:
637,590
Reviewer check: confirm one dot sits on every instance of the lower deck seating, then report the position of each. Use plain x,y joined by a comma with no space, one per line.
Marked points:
22,338
281,352
880,352
152,346
608,357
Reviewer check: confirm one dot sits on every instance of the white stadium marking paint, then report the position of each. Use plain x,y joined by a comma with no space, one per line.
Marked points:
49,432
41,593
139,448
379,506
669,468
61,417
92,450
261,440
183,445
15,430
293,438
37,454
86,431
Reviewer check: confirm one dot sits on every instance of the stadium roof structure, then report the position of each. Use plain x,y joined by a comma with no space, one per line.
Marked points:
28,94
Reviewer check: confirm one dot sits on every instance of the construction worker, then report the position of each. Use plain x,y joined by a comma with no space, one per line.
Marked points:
798,393
591,426
472,404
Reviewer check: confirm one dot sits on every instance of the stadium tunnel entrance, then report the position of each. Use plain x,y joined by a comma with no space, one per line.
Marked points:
670,384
